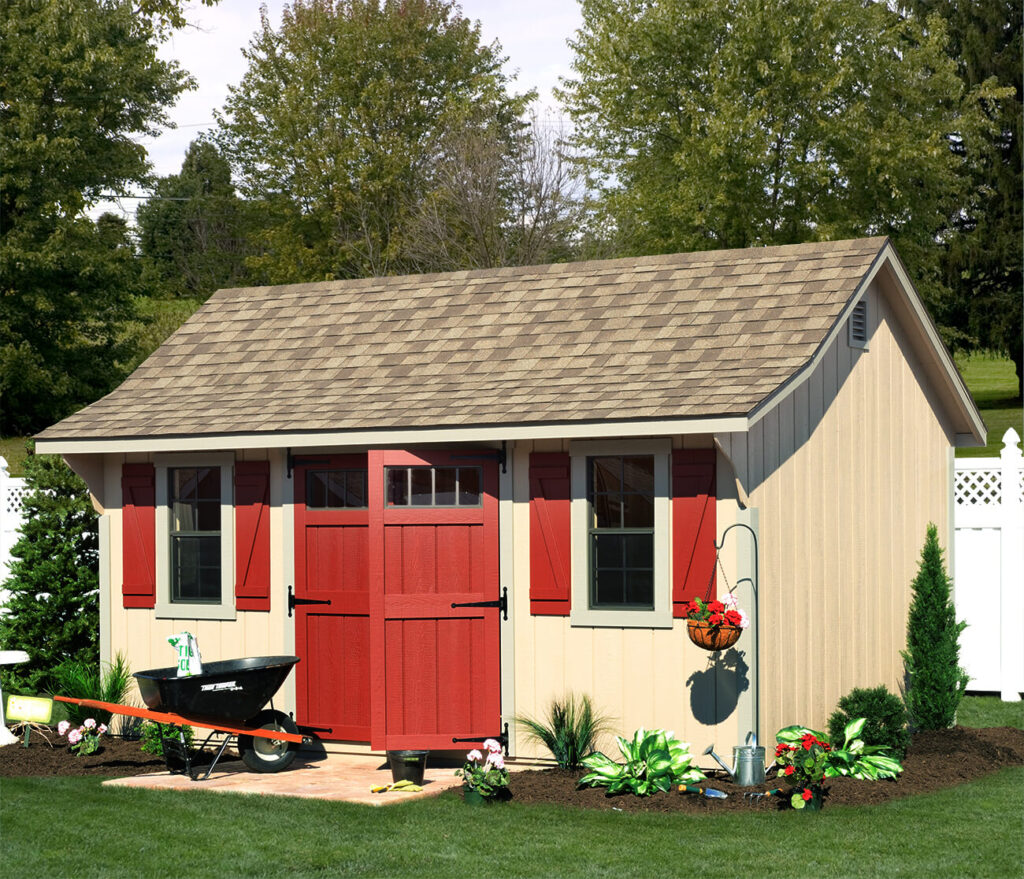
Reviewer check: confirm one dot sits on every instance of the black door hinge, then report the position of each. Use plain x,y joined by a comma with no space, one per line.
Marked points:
500,603
292,600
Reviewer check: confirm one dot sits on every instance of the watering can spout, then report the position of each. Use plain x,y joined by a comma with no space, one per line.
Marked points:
710,749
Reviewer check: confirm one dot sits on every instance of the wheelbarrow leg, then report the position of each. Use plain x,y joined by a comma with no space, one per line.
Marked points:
220,753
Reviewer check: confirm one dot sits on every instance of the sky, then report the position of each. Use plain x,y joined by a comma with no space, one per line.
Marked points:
532,34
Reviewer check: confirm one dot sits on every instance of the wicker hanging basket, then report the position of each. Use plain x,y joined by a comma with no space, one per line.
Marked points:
712,638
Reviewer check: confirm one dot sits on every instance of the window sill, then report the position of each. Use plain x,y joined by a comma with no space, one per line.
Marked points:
181,611
621,619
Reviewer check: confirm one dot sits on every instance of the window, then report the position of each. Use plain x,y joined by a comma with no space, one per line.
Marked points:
620,492
336,489
195,537
195,534
433,486
620,534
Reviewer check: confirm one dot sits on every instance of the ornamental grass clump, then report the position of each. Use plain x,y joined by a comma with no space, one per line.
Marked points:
655,761
570,731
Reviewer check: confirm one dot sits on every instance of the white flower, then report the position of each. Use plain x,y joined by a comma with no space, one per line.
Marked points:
89,723
495,759
492,746
474,755
730,601
744,619
63,727
102,728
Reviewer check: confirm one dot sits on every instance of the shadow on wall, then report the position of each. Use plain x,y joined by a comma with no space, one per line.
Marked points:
715,691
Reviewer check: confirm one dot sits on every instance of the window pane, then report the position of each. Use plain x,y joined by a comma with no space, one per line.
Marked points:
605,474
422,487
183,483
638,474
608,587
195,569
183,516
316,489
608,551
637,511
444,486
208,483
355,488
639,550
336,489
469,486
640,588
208,516
398,487
607,511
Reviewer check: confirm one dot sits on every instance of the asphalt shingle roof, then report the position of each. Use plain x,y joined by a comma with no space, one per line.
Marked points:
686,335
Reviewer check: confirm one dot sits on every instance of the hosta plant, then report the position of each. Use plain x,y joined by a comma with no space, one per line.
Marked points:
655,761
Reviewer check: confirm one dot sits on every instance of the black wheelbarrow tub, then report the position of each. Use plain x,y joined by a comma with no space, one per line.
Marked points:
232,690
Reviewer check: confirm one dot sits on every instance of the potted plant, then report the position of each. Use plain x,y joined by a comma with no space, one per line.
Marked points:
484,778
715,625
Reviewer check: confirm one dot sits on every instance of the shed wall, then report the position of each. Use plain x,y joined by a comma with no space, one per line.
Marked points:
846,473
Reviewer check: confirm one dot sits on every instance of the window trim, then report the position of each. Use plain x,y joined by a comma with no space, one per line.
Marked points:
580,613
225,608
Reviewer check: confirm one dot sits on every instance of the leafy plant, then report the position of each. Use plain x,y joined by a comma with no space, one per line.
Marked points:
885,719
81,680
802,756
570,731
815,759
859,760
84,739
152,733
935,680
655,760
486,775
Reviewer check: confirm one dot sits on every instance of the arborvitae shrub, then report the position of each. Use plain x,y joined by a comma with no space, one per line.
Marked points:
935,680
885,714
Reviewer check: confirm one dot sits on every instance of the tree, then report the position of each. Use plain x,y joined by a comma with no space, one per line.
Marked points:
935,681
733,123
983,249
80,81
53,611
337,125
193,231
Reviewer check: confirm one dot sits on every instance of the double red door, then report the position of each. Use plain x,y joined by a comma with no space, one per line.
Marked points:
404,547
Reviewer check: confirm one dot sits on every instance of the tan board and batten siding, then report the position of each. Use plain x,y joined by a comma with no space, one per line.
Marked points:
839,468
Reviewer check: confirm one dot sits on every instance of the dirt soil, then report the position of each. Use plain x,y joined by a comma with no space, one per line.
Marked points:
935,760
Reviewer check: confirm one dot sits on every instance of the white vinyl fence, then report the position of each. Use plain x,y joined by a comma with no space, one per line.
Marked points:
12,490
988,568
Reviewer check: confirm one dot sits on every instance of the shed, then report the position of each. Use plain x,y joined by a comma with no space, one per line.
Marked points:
458,496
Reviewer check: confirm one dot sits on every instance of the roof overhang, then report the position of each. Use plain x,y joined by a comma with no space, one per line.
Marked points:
394,438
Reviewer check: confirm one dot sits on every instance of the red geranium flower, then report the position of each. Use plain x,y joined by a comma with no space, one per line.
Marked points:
808,741
716,607
733,618
806,794
788,770
716,619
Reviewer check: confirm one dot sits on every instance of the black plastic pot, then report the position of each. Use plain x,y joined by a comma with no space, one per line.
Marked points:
408,765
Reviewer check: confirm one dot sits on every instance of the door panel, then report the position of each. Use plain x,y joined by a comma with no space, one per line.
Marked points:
435,668
333,640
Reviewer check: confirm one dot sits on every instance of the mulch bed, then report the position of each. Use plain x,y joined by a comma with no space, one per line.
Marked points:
935,760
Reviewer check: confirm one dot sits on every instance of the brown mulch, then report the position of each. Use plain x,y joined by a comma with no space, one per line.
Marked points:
935,760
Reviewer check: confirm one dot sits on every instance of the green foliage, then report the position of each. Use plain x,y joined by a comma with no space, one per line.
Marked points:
570,731
339,128
884,714
655,761
935,680
81,680
723,124
193,233
53,610
991,381
152,733
81,83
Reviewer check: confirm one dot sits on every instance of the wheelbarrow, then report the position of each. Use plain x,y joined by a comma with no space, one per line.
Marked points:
227,698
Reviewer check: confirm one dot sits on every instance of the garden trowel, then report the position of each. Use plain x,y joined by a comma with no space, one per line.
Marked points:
709,792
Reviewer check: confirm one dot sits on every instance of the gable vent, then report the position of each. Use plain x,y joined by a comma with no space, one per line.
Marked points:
859,325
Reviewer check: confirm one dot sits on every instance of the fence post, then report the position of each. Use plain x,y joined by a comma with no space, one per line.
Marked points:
1011,671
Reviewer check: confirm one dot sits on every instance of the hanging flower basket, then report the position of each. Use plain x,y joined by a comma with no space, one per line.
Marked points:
711,637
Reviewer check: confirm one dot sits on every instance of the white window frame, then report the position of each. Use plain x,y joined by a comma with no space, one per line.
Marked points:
581,614
165,608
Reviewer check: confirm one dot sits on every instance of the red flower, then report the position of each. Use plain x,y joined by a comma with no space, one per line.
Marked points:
788,770
716,607
733,618
808,741
806,794
716,619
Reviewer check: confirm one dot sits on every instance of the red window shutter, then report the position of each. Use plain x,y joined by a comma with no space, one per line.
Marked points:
550,534
693,526
252,535
138,535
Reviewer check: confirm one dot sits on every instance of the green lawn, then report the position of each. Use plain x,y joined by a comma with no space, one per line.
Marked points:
75,827
993,384
982,711
13,449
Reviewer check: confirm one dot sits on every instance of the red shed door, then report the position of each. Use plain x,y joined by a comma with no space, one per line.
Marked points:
433,550
332,597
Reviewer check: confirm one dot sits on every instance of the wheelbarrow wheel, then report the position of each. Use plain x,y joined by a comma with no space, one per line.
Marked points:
269,755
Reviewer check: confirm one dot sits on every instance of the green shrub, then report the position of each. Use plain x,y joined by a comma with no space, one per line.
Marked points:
153,732
570,732
885,719
935,680
81,680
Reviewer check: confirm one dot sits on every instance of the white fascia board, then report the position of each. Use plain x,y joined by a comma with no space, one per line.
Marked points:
888,256
399,438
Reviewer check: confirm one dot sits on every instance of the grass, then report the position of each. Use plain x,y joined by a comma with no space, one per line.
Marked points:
962,831
988,711
993,384
13,449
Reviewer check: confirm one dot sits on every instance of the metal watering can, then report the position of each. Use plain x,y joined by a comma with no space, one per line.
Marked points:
748,763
